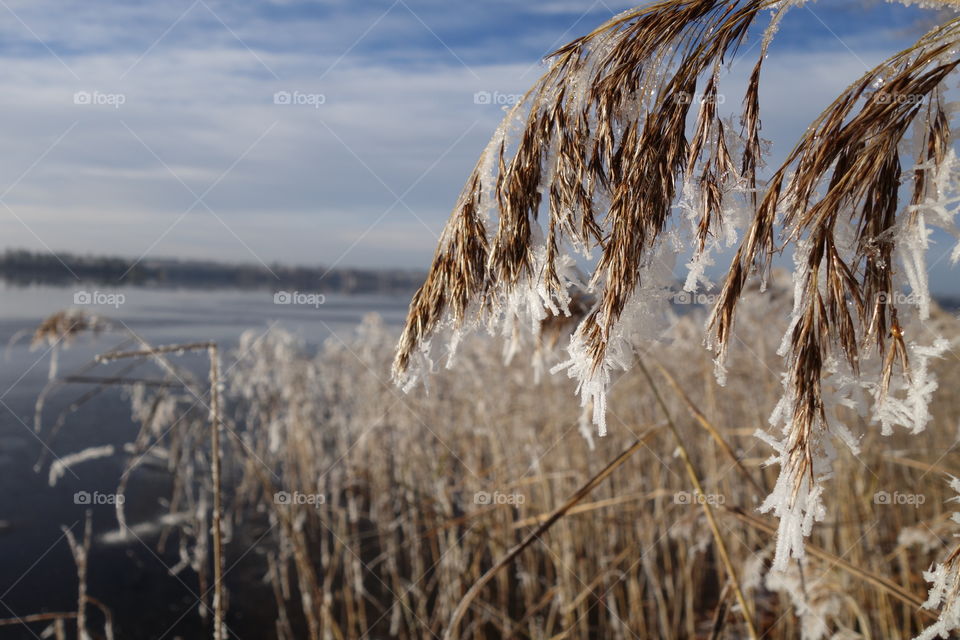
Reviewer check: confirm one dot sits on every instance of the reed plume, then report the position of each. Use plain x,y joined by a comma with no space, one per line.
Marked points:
607,154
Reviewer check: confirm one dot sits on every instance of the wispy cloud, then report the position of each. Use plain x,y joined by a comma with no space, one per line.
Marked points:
360,101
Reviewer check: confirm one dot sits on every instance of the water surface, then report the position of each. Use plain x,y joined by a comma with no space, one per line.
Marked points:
36,570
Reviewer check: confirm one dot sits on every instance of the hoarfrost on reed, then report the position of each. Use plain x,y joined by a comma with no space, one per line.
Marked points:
600,157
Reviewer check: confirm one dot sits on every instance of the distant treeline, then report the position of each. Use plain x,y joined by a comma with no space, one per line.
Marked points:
27,267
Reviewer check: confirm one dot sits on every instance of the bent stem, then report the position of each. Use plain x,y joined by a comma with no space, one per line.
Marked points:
710,428
554,517
708,511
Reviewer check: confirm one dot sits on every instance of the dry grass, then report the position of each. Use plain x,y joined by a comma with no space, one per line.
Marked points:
606,154
438,513
399,537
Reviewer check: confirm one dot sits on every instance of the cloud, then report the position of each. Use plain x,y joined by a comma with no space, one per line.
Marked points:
362,165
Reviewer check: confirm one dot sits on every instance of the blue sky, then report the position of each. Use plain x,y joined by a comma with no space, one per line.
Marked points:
151,129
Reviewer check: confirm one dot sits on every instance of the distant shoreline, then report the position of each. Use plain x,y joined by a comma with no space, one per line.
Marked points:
24,268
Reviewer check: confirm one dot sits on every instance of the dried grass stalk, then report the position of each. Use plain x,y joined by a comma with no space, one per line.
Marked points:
597,157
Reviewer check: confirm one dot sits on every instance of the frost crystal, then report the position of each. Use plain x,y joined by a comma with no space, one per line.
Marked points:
65,463
621,148
944,579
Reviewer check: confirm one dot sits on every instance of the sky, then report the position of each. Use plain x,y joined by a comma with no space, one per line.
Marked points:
334,132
